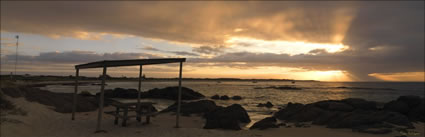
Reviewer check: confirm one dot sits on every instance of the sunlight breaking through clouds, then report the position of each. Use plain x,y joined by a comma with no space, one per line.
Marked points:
281,47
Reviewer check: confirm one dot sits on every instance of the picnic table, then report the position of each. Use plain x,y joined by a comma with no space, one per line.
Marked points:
145,109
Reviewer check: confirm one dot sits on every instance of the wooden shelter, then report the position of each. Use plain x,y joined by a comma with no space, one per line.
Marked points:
118,63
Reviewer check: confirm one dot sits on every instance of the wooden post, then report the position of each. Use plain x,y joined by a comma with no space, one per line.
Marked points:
74,102
138,95
179,96
99,116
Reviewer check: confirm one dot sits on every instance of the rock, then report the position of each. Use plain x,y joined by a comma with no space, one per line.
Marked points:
412,101
279,87
361,118
326,117
172,92
236,97
85,93
358,103
397,106
417,113
290,110
226,117
334,105
197,107
267,104
61,102
164,93
376,130
225,97
215,97
269,122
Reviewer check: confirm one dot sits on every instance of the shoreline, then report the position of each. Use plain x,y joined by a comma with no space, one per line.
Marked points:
42,121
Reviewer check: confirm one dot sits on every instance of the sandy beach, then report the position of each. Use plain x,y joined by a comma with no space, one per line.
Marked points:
42,121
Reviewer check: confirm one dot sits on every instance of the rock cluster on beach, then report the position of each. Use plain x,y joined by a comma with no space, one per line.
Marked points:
225,97
217,117
164,93
268,104
357,114
280,87
62,102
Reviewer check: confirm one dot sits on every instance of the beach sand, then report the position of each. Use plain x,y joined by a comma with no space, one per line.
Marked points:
41,121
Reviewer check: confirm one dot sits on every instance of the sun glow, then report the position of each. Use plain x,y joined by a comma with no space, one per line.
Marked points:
281,47
405,76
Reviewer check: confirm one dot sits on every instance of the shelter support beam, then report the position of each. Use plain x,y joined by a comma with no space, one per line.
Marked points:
74,101
101,100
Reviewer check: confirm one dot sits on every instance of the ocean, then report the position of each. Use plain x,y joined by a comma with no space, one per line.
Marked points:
254,93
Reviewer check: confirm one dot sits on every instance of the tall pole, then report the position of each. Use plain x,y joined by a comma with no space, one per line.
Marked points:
102,92
138,93
74,102
16,55
179,96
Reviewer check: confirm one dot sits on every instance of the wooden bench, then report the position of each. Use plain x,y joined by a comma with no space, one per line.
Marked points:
145,110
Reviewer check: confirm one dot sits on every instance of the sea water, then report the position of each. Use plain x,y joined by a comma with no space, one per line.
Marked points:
254,93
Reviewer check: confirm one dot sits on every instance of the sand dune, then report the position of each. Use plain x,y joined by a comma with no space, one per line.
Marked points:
42,121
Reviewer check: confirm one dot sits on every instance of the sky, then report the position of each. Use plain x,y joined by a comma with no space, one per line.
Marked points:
310,40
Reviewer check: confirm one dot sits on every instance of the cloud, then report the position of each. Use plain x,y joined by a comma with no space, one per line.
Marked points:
76,57
182,53
150,48
395,27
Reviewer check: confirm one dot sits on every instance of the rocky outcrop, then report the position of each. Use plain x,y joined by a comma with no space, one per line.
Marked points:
269,122
280,87
61,102
197,107
236,97
267,104
164,93
411,106
224,97
215,97
358,114
226,117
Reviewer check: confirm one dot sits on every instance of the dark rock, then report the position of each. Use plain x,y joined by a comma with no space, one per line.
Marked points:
61,102
197,107
164,93
226,117
290,110
412,101
376,130
172,92
225,97
363,118
397,106
85,93
358,103
14,92
236,97
334,105
268,104
326,117
279,88
269,122
417,113
215,97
